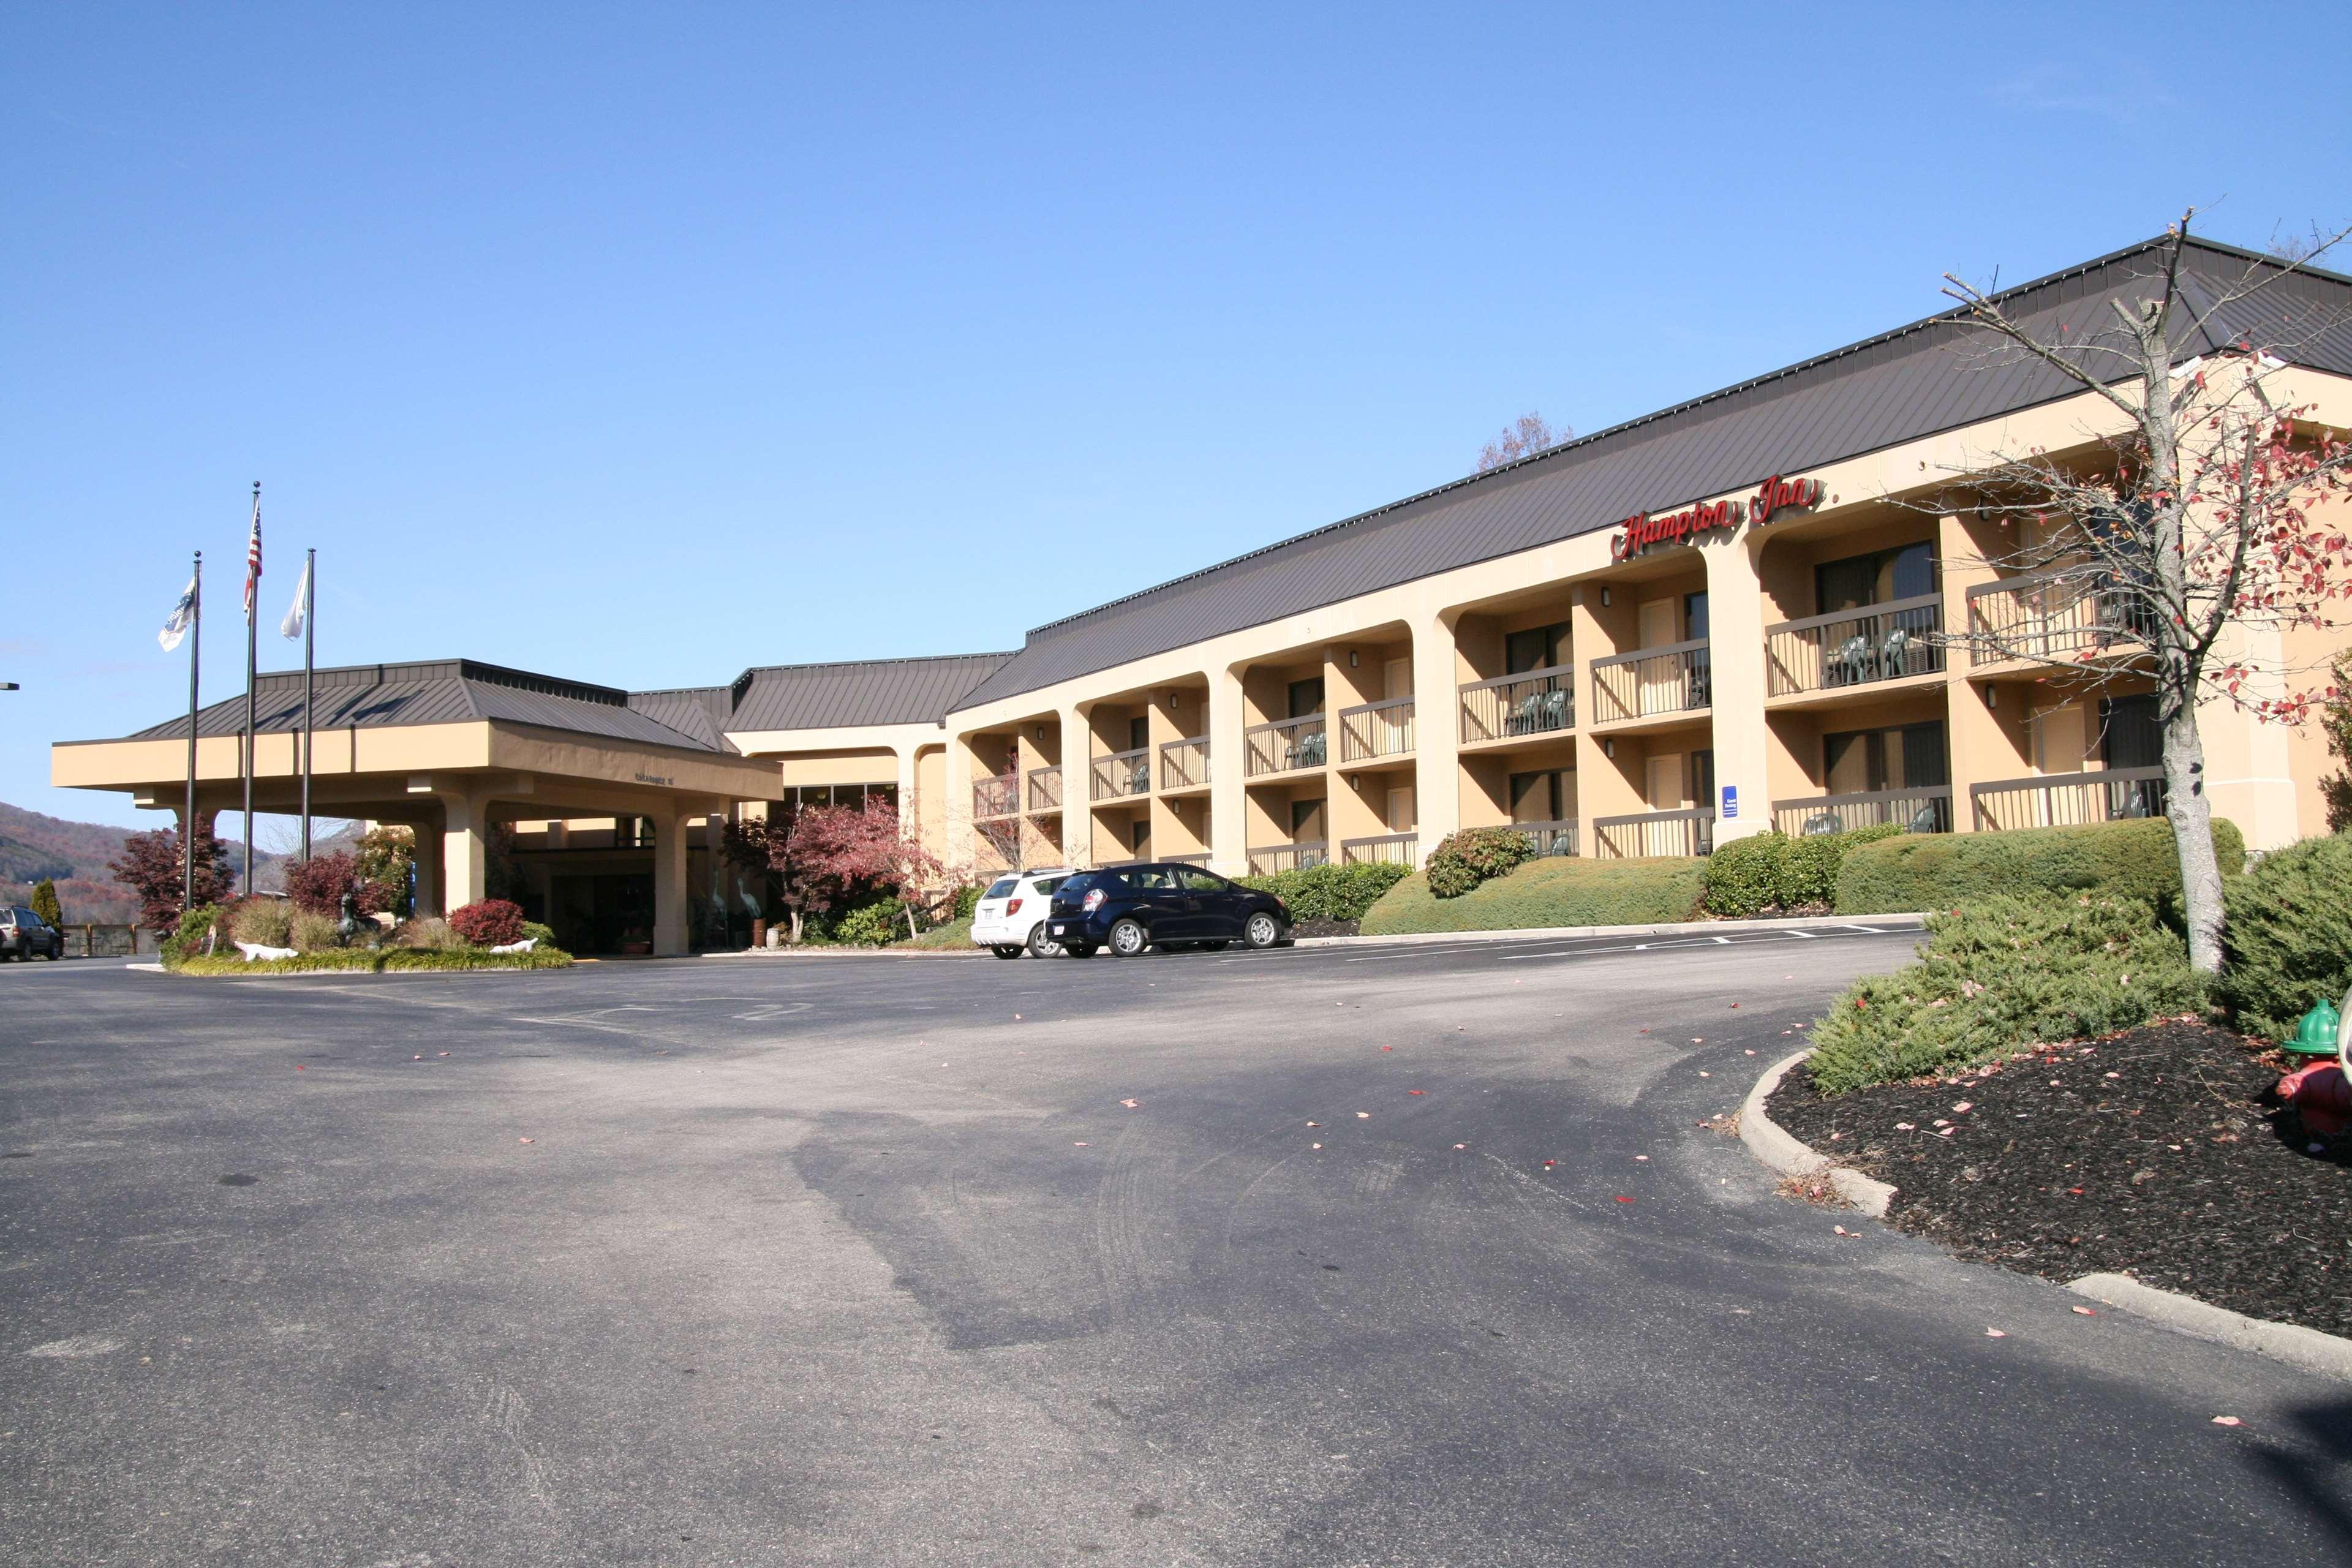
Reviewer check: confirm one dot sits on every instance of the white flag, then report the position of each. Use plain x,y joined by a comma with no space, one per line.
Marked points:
291,626
182,615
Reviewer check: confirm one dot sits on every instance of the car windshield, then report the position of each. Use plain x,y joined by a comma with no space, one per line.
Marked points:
1003,887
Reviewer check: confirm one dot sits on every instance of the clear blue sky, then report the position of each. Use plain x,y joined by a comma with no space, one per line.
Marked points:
640,345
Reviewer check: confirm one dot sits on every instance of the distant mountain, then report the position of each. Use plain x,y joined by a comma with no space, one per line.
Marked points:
75,855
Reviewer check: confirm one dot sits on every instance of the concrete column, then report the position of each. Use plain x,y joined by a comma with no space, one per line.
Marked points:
955,802
1437,729
1078,788
1228,799
464,849
428,834
907,825
1735,606
670,911
1982,741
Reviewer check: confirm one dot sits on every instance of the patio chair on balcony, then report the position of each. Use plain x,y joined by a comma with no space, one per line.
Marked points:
1138,779
1849,665
1823,821
1538,713
1307,752
1927,819
1892,653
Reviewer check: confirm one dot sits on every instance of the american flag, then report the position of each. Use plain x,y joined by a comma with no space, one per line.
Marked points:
253,557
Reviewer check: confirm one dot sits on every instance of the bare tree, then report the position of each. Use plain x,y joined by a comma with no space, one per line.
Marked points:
1523,438
2183,521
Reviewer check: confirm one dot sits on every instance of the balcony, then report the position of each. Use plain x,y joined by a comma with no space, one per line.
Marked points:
1854,647
1927,809
1652,682
1123,773
1654,833
1184,765
1285,746
1383,850
2068,800
1532,702
1266,860
1046,789
1376,729
2068,613
996,797
1551,838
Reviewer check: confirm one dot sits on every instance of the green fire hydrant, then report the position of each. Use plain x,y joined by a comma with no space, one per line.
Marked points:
2315,1035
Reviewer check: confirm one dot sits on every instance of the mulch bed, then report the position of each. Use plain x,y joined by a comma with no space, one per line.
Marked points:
2160,1153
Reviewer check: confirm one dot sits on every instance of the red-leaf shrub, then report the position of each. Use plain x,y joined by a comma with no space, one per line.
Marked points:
493,922
318,884
152,868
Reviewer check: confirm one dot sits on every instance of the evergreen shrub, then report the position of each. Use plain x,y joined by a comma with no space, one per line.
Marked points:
2288,942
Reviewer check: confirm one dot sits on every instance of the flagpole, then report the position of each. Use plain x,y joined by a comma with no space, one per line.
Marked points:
188,822
310,614
252,623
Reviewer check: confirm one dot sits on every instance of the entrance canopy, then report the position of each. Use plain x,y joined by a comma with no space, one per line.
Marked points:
446,747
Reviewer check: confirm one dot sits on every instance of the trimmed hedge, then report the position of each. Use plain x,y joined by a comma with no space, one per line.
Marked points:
1945,871
1771,871
1330,892
1470,856
2002,972
2288,942
1552,891
878,923
374,960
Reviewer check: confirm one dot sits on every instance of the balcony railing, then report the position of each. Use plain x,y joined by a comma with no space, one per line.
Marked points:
1382,850
1201,860
1123,773
1855,648
1184,765
1286,746
996,797
1532,702
1648,681
1927,809
1549,838
1653,833
1266,860
2068,800
2061,612
1046,789
1376,729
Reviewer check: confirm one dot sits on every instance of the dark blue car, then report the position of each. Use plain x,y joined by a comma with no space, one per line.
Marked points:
1133,908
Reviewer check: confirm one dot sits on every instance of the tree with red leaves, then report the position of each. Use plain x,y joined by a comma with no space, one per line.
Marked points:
2201,512
318,884
832,854
152,868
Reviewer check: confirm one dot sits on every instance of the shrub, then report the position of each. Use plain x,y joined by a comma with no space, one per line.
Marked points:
1552,891
1330,892
2001,973
430,933
1470,856
318,884
188,939
45,902
265,922
1771,871
487,923
2289,938
1943,870
967,900
314,933
543,935
875,924
384,867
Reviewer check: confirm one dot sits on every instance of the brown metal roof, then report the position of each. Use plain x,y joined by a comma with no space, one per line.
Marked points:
868,691
1933,375
436,692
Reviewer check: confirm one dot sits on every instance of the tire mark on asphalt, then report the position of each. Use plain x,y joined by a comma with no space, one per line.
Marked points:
1118,1244
504,1413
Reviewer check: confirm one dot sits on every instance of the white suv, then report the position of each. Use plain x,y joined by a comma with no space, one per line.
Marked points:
1011,917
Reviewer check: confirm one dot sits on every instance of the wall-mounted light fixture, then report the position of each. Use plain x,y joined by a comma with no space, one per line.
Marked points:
1604,599
1352,658
1992,696
1041,731
1609,748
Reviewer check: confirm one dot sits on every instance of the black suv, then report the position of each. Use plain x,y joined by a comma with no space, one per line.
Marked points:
24,934
1130,908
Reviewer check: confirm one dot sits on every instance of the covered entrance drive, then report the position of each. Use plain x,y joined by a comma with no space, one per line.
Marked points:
451,748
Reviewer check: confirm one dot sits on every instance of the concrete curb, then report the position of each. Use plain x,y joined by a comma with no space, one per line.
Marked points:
2314,1351
1677,928
1776,1150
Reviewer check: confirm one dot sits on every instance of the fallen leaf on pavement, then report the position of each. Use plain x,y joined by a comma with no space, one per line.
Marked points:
1078,1145
1996,1333
1462,1145
523,1139
1642,1158
2085,1312
1314,1145
1623,1199
1416,1091
1131,1104
2227,1421
1363,1116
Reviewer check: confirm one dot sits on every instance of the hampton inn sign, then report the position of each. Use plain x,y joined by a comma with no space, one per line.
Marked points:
1777,494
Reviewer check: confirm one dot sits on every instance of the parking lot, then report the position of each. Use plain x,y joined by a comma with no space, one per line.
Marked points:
1352,1254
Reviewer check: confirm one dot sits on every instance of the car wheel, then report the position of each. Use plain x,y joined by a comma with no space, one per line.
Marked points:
1262,932
1128,939
1040,944
1076,950
1002,952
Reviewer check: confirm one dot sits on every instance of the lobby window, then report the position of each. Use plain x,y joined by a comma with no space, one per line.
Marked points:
1864,762
1537,647
1883,575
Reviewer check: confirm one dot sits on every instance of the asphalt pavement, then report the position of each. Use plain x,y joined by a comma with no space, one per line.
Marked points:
891,1260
